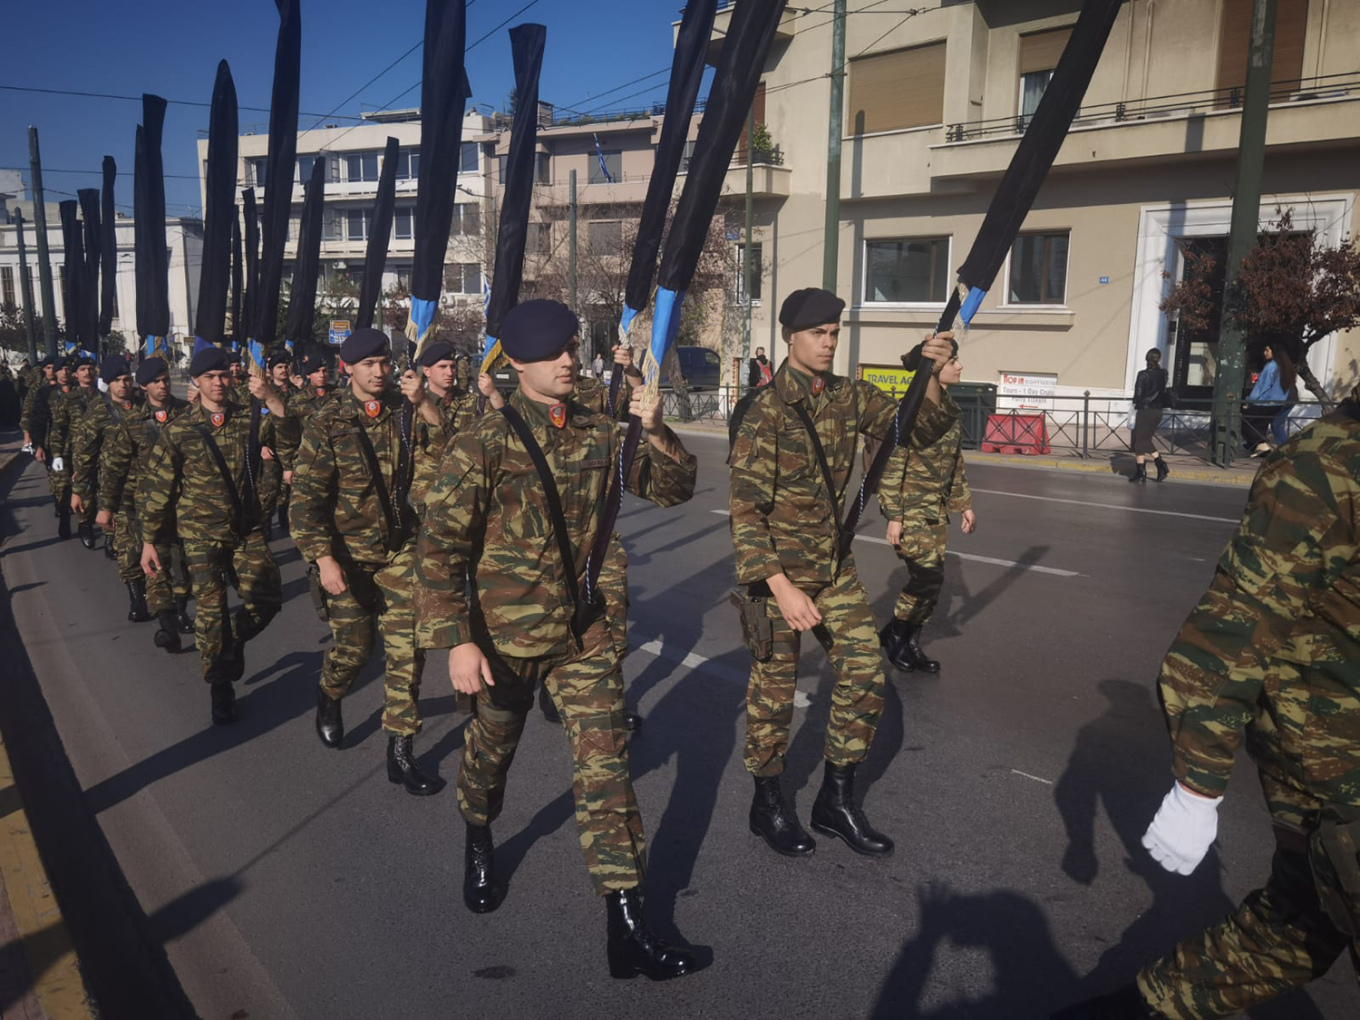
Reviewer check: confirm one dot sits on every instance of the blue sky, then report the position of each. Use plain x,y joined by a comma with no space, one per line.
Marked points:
171,48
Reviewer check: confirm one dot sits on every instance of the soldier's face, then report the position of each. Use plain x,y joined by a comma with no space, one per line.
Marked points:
553,378
213,386
236,373
120,387
369,377
812,350
49,372
158,389
440,375
317,378
952,372
85,375
64,376
279,373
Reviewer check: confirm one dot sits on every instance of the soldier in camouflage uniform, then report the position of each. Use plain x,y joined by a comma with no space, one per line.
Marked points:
488,524
40,379
66,415
785,533
183,489
1271,655
358,529
45,400
124,454
922,485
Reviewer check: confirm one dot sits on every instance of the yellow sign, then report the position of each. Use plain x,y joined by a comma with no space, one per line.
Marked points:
891,379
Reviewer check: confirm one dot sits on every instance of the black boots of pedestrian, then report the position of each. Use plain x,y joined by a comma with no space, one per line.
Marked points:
911,649
402,767
86,532
137,611
774,821
1125,1004
481,894
167,631
1162,469
63,522
633,950
893,639
223,703
835,813
330,722
110,553
182,617
1139,473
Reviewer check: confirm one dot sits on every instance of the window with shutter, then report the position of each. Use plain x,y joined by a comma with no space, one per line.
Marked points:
1234,47
1039,55
900,89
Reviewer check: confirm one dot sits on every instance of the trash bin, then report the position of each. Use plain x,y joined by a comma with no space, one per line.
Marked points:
976,401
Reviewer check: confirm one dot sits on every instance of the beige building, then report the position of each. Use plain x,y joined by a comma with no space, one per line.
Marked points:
933,107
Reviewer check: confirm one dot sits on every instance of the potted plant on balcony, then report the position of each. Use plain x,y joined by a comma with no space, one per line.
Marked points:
762,145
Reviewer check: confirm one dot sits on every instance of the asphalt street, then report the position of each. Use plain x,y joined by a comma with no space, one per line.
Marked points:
287,880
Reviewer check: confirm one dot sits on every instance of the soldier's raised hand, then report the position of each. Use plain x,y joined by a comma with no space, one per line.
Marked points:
469,669
259,389
939,348
412,387
486,386
648,411
151,563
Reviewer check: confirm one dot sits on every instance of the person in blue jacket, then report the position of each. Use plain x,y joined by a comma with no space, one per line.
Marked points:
1268,403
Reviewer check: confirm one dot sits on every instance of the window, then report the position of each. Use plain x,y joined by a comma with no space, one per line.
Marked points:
542,168
689,155
330,225
1039,55
539,241
7,285
467,218
900,89
463,278
1234,46
402,271
757,263
613,163
1038,274
362,166
606,237
500,169
305,164
468,162
259,167
357,224
408,165
907,271
405,220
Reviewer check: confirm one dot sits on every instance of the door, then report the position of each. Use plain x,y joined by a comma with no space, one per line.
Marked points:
1192,355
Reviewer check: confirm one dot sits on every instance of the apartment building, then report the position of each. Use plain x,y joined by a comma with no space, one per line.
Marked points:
933,107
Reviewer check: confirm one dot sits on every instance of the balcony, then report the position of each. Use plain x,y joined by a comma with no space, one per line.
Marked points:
783,33
769,176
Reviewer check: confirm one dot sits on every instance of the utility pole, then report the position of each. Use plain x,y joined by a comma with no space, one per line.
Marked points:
750,218
26,289
49,299
571,241
831,238
1246,216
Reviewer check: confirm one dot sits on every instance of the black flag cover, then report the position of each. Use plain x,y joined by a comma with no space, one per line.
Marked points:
443,92
251,284
89,285
237,279
278,182
379,230
307,265
219,213
526,44
72,273
108,250
152,260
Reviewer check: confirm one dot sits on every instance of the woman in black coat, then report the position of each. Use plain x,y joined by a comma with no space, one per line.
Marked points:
1149,397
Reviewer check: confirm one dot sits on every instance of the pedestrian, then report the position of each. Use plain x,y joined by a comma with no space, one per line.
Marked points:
759,371
512,517
1271,658
1269,402
352,519
922,485
67,411
792,454
1150,396
598,365
10,399
200,484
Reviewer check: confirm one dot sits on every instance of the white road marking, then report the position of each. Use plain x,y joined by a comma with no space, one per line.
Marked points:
692,660
1037,779
1111,506
1056,572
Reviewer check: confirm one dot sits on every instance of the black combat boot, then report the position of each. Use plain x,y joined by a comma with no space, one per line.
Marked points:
182,617
775,822
223,703
1139,473
633,950
283,520
402,768
63,522
137,611
1162,469
893,639
110,553
911,649
1125,1004
835,813
481,894
167,633
330,721
632,722
86,532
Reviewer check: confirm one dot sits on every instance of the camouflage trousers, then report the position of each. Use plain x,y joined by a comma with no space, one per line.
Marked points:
172,582
856,700
257,583
1280,938
378,596
587,690
59,484
922,550
127,547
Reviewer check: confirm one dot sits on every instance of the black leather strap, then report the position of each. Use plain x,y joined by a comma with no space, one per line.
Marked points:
394,541
802,412
237,511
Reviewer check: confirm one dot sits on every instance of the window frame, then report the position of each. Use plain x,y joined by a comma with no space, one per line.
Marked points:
363,215
410,210
8,293
594,173
362,155
866,302
1062,305
616,251
757,294
463,149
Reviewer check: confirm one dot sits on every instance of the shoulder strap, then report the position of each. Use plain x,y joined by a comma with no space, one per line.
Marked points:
806,418
379,483
550,494
237,512
738,413
113,408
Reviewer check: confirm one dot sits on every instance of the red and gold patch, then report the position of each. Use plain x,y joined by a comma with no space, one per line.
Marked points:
321,391
127,405
218,419
161,416
818,384
373,408
557,414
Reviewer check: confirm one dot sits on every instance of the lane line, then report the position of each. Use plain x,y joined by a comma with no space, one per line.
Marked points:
1055,571
1111,506
700,663
1037,779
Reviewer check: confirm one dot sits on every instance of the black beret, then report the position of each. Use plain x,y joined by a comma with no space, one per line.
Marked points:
150,370
233,357
440,350
314,361
280,357
81,360
114,366
537,330
810,307
363,343
61,363
209,359
48,362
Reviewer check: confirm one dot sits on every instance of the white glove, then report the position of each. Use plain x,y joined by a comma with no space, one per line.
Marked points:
28,448
1183,830
103,386
58,464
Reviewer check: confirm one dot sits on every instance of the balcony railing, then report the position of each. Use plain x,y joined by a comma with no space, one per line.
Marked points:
1330,86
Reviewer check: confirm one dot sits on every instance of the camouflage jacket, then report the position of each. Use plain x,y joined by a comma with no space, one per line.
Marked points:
181,487
334,508
594,394
126,451
298,406
781,512
487,522
925,481
66,414
36,416
1273,648
101,418
459,412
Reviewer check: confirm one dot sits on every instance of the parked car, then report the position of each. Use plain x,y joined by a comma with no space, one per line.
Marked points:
701,368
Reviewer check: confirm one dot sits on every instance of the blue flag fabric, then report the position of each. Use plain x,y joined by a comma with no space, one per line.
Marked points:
599,154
